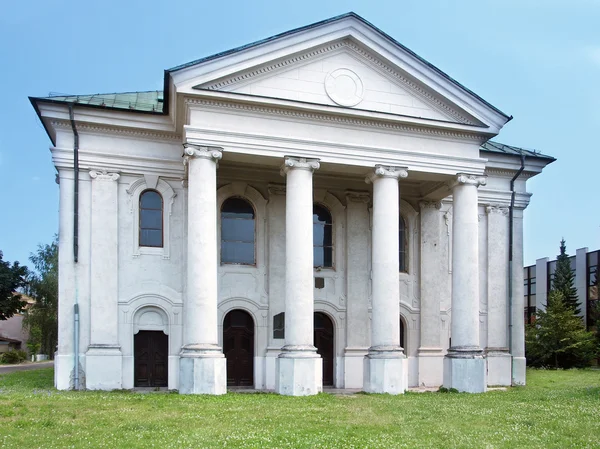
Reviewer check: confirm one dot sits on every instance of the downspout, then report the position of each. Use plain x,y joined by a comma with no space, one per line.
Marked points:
510,255
75,246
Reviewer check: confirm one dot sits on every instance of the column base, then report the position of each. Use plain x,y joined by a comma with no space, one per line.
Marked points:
202,370
104,367
465,371
498,368
299,372
431,367
385,371
519,366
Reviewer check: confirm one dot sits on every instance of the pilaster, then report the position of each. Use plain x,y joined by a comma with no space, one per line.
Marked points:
434,279
104,357
517,325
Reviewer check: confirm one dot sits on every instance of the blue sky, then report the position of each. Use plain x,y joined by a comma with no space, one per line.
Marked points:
537,60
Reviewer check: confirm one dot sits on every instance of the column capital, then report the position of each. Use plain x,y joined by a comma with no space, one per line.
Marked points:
103,175
385,171
353,196
301,163
467,179
204,152
430,205
496,209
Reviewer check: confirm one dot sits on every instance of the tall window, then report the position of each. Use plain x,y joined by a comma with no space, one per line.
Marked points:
151,219
402,246
322,237
237,232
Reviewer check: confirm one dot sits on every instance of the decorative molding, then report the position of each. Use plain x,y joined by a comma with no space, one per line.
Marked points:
467,179
507,173
383,171
300,163
103,175
353,196
496,209
343,120
98,129
380,66
336,91
430,205
276,189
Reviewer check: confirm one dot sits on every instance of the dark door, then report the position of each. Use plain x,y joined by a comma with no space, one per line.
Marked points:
238,346
324,344
151,352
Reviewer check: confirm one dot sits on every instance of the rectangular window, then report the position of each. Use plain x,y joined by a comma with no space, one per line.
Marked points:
279,326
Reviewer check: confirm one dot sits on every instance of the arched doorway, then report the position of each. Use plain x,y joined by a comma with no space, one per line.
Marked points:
238,346
151,359
324,343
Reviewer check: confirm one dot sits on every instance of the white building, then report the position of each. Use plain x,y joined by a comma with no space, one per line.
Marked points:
223,227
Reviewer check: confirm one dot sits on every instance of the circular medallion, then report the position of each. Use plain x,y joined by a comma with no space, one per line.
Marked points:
344,87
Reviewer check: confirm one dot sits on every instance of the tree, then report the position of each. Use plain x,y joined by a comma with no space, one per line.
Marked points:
42,317
558,337
564,279
12,278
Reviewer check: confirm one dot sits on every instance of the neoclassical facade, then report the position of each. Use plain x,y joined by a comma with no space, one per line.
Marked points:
321,208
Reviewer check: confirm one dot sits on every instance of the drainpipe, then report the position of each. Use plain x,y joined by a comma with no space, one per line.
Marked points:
75,246
510,255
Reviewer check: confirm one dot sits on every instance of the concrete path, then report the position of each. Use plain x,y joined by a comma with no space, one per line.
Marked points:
25,366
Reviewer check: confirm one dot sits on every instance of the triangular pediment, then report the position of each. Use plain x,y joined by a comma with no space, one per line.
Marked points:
342,74
343,62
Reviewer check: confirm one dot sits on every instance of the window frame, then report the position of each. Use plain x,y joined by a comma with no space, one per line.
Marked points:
403,245
162,219
221,239
332,225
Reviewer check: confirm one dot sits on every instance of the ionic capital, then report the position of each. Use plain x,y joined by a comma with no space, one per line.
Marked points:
357,197
496,209
430,205
192,151
468,180
103,175
383,171
300,163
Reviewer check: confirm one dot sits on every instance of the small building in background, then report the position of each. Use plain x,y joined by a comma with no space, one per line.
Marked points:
13,335
538,282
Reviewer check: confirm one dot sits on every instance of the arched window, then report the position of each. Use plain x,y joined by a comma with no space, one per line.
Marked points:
237,232
322,237
402,247
151,219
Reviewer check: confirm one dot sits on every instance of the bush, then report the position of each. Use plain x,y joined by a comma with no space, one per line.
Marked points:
13,357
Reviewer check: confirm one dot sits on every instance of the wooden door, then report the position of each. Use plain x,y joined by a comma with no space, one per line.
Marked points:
151,355
238,346
324,343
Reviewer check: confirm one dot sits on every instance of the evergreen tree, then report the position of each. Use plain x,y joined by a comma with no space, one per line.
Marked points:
12,277
558,337
564,279
42,317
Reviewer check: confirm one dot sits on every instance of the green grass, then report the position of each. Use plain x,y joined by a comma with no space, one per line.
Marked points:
556,409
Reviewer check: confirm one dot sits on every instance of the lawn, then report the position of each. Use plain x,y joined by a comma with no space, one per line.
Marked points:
557,409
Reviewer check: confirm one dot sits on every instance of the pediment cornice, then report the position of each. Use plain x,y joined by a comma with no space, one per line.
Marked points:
360,53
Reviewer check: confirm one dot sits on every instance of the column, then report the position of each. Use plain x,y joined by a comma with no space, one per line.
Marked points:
464,365
202,366
517,325
357,287
434,283
103,357
385,366
299,367
497,352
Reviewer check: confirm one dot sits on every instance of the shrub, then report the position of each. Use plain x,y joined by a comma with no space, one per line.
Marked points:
14,357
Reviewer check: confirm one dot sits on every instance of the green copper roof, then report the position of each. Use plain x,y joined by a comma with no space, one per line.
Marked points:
152,102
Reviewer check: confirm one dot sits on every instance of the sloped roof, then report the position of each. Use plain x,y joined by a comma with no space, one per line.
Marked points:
497,147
